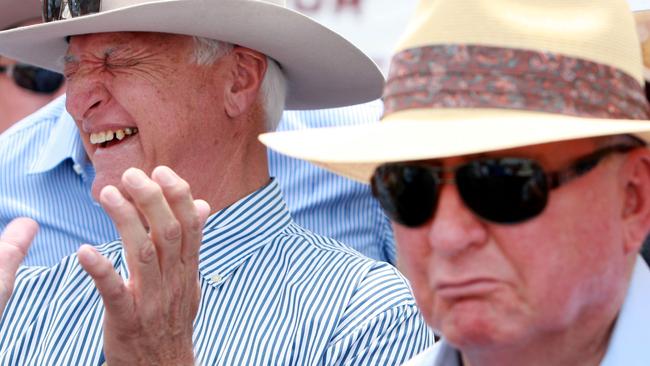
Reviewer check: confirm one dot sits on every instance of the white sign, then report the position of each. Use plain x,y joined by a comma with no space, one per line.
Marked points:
372,25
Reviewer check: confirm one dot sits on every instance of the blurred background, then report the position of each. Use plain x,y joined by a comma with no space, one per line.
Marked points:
372,25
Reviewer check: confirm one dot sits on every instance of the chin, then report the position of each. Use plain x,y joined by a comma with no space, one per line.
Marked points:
479,325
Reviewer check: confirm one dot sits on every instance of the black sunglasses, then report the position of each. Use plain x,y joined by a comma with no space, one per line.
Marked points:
33,78
502,190
64,9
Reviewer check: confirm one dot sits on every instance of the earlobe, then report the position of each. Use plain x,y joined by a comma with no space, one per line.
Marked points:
636,201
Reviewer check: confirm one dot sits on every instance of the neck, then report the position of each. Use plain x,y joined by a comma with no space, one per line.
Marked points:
583,343
568,349
233,173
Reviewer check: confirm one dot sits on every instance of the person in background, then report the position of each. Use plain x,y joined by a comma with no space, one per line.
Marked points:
247,286
42,160
24,88
512,159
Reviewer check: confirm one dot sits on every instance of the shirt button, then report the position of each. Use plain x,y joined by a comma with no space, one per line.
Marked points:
77,169
216,278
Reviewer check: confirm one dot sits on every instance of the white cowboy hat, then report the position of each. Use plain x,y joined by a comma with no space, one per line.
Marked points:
474,76
323,69
19,11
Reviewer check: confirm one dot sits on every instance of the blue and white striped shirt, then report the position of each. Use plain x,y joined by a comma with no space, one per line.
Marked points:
272,293
45,175
327,203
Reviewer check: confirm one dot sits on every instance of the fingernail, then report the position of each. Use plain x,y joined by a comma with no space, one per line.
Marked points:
166,177
112,195
135,177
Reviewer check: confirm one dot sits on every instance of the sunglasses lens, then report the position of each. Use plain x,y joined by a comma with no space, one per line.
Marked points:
36,79
52,9
505,191
88,6
407,193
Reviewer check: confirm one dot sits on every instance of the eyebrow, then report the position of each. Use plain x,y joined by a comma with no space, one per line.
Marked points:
70,59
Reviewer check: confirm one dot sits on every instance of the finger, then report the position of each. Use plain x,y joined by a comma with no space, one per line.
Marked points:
178,195
164,228
14,243
109,283
203,209
17,237
144,271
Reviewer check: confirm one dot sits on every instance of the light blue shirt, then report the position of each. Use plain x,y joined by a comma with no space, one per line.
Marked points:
272,293
45,175
327,203
629,342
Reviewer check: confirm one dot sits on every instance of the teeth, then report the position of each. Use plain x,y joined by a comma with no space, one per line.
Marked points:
105,136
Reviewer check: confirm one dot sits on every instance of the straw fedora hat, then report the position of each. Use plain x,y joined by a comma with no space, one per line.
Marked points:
475,76
322,68
19,11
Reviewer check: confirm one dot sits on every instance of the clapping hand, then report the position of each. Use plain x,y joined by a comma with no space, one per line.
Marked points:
149,318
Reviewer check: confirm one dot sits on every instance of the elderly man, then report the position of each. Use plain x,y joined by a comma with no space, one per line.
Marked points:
259,289
513,162
43,159
24,88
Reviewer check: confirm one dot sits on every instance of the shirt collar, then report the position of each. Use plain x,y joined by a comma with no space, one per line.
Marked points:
629,342
64,143
237,232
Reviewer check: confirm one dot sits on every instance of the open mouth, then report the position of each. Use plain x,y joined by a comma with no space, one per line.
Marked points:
109,138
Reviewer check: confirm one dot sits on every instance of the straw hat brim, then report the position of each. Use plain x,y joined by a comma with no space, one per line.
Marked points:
356,151
323,69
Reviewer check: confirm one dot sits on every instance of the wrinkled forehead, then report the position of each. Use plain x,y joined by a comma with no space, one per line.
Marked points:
134,40
145,38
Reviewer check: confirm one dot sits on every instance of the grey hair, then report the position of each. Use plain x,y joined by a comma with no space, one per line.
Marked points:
273,92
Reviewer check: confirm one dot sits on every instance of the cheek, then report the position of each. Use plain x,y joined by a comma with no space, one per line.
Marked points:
562,257
414,260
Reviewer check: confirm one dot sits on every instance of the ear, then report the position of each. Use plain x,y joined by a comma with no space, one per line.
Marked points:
636,202
248,72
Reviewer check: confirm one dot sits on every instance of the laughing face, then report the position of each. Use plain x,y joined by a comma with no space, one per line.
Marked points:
140,101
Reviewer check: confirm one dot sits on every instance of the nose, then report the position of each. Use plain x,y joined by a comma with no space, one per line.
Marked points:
86,94
454,228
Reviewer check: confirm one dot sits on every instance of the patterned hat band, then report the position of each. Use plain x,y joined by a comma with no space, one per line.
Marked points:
455,76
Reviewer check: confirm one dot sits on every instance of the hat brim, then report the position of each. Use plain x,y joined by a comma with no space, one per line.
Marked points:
356,151
323,69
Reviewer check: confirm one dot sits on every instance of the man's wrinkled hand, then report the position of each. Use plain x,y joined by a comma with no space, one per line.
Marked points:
149,318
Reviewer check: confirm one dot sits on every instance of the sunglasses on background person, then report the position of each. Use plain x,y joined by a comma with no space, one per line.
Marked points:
64,9
33,78
503,190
